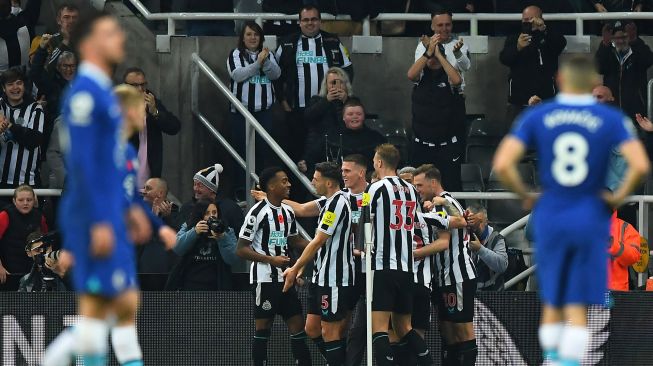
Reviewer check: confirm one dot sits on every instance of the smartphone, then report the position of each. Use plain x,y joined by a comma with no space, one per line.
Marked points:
527,27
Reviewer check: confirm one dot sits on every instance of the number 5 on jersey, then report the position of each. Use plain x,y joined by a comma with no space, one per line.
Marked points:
407,221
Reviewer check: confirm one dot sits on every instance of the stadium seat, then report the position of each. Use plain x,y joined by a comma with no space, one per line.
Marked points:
483,131
481,155
471,178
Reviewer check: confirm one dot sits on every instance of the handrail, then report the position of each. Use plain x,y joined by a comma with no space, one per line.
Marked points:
39,192
472,18
252,121
650,99
513,281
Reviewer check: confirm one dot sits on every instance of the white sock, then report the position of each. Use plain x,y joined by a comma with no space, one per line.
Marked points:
549,335
61,351
91,337
573,343
124,340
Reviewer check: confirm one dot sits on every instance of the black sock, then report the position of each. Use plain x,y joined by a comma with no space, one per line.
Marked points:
300,349
335,352
260,347
382,350
452,356
417,345
467,353
403,356
319,343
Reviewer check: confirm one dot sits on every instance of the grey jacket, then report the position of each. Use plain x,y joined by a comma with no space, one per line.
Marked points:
491,262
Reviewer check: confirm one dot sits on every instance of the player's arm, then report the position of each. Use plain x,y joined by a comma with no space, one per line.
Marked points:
638,167
508,154
451,209
308,254
244,250
308,209
438,245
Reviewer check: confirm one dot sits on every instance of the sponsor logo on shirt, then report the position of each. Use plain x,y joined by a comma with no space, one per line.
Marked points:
259,79
309,57
277,239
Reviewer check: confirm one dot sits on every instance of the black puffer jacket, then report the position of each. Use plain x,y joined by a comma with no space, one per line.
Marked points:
320,117
626,76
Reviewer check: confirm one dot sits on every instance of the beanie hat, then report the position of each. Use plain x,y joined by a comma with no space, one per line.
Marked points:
618,26
210,177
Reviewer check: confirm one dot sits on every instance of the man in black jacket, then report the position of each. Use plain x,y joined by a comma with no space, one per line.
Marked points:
149,142
16,33
623,64
532,57
305,58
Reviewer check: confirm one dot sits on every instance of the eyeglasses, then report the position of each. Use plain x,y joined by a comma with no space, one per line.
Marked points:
69,66
310,20
138,85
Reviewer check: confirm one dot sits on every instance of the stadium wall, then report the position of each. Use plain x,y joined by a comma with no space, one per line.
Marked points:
213,328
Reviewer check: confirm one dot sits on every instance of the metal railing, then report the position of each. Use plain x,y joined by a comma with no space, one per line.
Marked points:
251,128
472,18
39,192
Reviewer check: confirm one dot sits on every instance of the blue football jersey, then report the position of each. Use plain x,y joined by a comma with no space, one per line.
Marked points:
132,194
573,137
93,155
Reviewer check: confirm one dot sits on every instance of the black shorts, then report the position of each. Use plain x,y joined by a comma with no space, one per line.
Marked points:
455,303
393,291
331,303
270,300
421,308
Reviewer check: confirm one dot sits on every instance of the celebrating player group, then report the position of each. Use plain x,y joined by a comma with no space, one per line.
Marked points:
419,238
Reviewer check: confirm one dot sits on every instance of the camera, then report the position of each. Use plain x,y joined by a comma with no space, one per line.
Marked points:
216,225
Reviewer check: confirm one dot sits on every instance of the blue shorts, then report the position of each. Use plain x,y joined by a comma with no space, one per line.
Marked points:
106,277
572,256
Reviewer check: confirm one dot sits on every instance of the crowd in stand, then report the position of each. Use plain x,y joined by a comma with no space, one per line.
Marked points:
310,76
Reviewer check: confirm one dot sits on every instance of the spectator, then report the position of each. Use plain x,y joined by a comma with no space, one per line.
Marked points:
16,32
624,66
624,252
305,58
532,57
56,170
46,275
603,94
280,27
207,255
149,142
16,223
213,27
252,69
21,129
453,6
324,111
488,248
455,51
16,8
407,173
351,136
152,257
51,84
67,15
438,110
603,6
205,187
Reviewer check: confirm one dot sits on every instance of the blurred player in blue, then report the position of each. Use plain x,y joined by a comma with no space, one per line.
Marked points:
573,136
97,205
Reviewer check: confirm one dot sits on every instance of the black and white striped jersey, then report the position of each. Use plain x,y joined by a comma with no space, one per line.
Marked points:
355,201
426,227
268,228
250,82
20,149
394,204
455,265
334,261
312,66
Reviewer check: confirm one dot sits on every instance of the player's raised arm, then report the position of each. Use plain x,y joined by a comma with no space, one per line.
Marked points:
638,167
308,209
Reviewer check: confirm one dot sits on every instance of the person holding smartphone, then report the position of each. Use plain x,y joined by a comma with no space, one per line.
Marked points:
532,56
324,111
488,248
